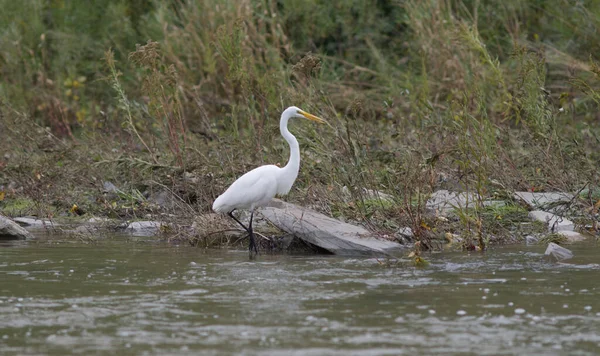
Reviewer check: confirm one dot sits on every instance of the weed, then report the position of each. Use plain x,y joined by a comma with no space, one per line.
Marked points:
554,238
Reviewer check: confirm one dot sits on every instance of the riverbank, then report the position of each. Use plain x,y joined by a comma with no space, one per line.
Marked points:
473,98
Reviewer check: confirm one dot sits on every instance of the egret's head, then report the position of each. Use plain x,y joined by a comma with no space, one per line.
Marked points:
293,111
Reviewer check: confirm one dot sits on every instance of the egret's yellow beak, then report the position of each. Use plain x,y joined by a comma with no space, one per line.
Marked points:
311,117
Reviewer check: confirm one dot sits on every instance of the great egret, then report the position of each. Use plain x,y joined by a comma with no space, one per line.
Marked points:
257,187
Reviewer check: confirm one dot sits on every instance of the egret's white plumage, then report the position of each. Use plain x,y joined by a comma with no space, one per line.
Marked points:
257,187
252,190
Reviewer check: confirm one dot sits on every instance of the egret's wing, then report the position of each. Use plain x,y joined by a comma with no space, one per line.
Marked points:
252,189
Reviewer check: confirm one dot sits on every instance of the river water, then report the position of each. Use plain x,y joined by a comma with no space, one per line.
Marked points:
124,297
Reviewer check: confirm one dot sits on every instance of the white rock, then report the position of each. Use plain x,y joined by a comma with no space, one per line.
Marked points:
328,233
109,187
560,253
572,236
96,220
34,223
445,200
555,222
10,230
406,232
537,200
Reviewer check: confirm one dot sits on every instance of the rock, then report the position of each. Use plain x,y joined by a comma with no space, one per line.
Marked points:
109,187
542,200
406,232
404,235
444,201
10,230
84,230
96,220
34,223
531,240
555,222
453,238
327,233
557,252
144,228
572,236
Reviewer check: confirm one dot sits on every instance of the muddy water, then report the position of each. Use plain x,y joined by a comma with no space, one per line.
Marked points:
143,298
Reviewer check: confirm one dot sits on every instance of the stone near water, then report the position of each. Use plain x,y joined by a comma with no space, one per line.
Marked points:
10,230
558,252
558,224
34,223
572,236
404,235
144,228
325,232
555,222
84,230
96,220
531,240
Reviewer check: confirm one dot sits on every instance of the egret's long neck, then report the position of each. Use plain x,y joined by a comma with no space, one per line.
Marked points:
293,165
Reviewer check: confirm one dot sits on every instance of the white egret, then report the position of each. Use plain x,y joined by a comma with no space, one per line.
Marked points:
257,187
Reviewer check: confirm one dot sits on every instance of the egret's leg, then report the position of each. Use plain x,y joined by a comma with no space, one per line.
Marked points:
252,245
239,222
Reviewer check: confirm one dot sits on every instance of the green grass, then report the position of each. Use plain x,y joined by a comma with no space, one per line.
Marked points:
554,238
17,207
419,94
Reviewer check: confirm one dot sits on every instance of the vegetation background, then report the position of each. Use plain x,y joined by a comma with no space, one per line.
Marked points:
169,101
